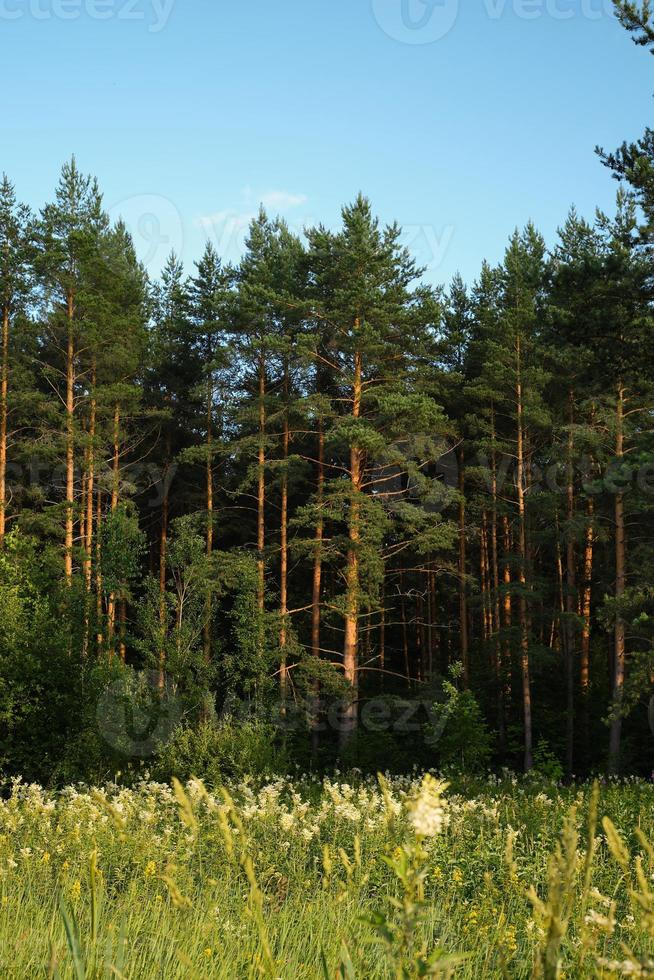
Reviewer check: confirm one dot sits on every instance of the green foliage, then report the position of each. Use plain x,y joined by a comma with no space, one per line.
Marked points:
218,750
546,763
457,732
122,545
48,693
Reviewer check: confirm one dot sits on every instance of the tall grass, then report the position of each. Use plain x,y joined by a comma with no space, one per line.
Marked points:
308,879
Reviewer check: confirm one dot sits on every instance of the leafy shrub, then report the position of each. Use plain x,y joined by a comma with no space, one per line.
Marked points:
218,750
457,729
546,762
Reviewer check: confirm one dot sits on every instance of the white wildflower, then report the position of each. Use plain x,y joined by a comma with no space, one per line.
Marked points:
427,810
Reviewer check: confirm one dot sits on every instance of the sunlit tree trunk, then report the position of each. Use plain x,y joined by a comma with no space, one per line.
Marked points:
463,602
283,558
507,606
571,586
499,676
405,632
421,634
82,508
210,528
382,637
261,488
90,485
98,569
620,585
352,593
484,568
4,409
316,587
115,494
317,555
88,523
122,629
163,561
584,678
431,613
522,554
70,439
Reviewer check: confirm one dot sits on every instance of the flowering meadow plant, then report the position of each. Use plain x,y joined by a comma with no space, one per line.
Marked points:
339,877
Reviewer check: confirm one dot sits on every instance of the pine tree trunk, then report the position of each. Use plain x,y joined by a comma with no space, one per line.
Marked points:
115,491
484,568
405,632
70,447
352,597
585,630
571,586
210,531
88,524
317,557
522,607
163,560
431,615
261,488
382,636
463,601
122,620
283,558
507,606
620,585
499,678
4,409
82,509
316,589
115,472
98,570
420,646
90,485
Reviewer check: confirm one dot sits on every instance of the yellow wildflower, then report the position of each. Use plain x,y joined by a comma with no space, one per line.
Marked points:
509,940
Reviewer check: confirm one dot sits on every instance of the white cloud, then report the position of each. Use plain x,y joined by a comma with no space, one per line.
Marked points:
228,228
282,200
232,219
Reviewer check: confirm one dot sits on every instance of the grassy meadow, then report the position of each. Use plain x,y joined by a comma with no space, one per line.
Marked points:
305,878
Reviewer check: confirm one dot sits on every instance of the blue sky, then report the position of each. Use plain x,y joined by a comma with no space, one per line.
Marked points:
459,118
